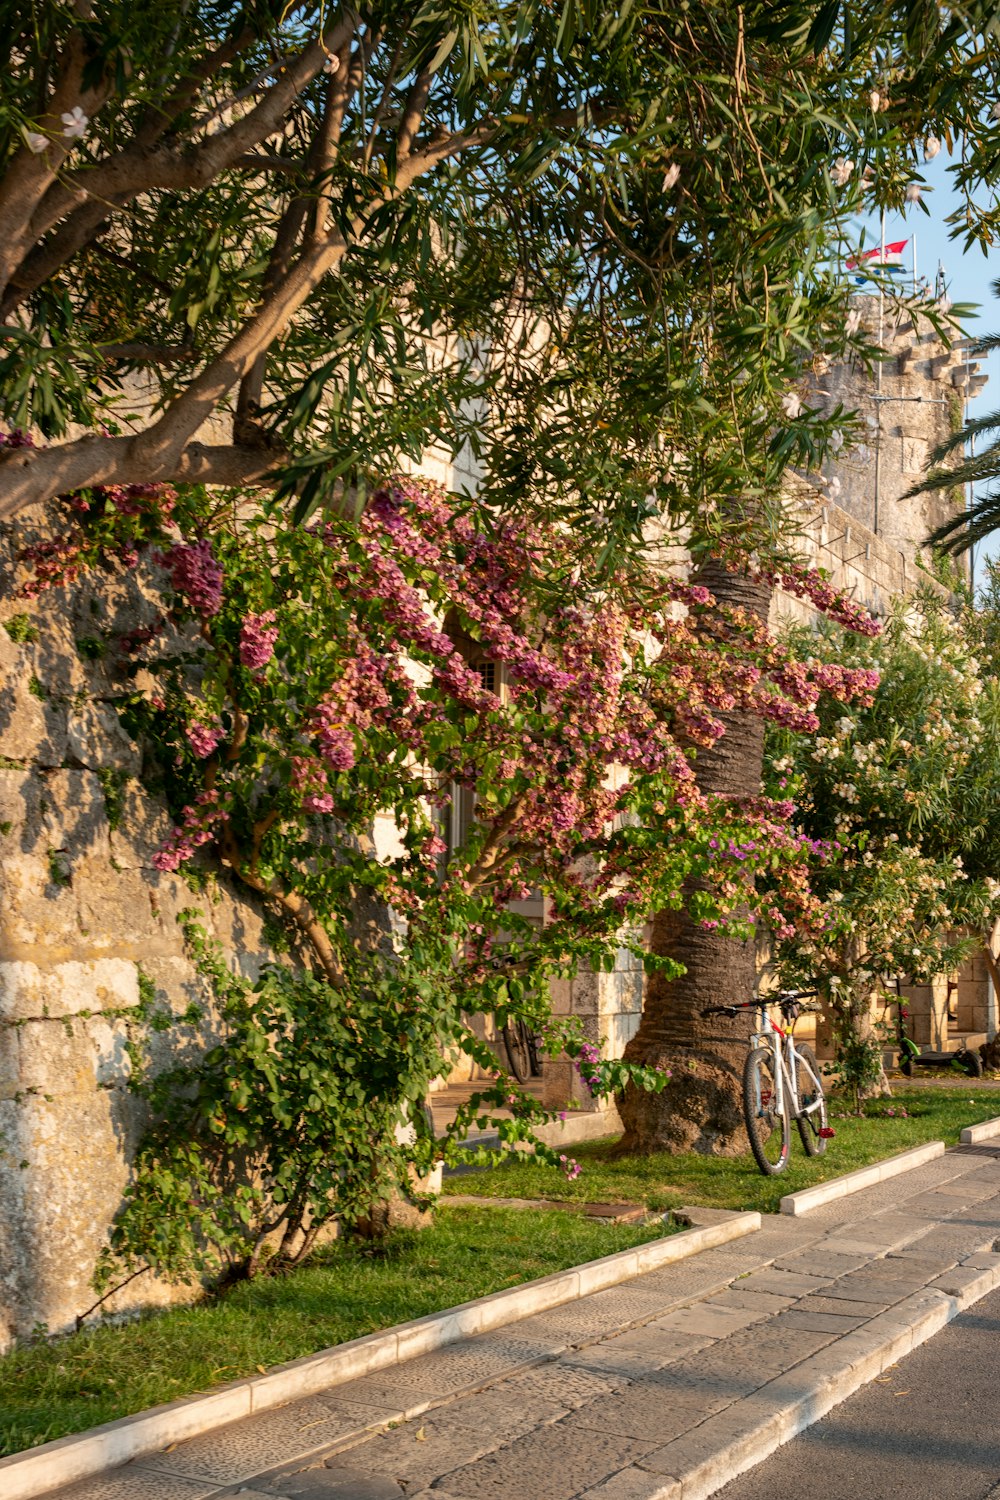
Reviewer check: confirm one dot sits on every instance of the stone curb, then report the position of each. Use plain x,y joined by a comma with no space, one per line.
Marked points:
973,1134
578,1126
38,1470
852,1182
751,1430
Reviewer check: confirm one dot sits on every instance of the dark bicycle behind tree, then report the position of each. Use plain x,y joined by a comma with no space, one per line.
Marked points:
521,1048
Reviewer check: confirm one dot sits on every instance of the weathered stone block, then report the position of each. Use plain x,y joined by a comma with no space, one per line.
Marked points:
168,896
619,1031
54,659
617,991
20,810
141,828
67,1191
55,1058
238,924
96,739
74,815
561,995
116,912
9,1063
37,915
558,1083
73,1056
32,728
586,988
29,990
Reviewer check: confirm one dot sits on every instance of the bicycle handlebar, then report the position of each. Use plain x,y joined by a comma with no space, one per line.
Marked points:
762,1002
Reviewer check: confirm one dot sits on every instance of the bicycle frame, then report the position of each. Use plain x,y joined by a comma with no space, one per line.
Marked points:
781,1045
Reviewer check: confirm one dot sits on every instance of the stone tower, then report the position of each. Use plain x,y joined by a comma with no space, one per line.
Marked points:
907,408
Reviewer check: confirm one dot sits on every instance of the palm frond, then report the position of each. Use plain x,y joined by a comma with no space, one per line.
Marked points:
971,527
985,345
975,427
978,468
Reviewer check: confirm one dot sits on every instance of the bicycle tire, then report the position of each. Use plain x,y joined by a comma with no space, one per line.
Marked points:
768,1131
810,1125
515,1040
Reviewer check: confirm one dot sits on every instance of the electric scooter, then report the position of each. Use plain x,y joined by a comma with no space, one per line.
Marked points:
963,1060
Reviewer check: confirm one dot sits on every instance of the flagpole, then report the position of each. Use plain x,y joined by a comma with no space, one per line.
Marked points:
878,380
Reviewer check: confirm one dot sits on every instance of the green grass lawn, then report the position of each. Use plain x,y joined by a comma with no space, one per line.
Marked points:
55,1387
664,1181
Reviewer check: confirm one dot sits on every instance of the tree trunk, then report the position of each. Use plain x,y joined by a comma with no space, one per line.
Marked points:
860,1034
701,1107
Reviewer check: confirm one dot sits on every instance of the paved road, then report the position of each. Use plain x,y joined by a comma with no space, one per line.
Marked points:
930,1427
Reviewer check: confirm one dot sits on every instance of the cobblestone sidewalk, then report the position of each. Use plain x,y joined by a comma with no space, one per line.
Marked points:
662,1388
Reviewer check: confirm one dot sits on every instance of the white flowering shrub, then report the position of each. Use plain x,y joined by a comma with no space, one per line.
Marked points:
905,795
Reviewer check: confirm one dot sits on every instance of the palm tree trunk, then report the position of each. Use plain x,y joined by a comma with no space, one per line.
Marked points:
700,1109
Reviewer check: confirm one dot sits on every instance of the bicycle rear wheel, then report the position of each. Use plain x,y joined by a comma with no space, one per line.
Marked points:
767,1126
812,1103
515,1040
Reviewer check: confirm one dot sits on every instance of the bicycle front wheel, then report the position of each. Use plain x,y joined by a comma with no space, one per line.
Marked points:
767,1125
515,1040
811,1118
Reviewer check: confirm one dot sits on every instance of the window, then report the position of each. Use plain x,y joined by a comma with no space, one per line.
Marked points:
487,674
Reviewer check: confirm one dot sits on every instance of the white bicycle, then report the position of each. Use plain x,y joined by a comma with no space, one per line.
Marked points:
781,1083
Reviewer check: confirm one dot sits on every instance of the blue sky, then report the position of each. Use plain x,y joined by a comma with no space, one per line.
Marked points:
969,276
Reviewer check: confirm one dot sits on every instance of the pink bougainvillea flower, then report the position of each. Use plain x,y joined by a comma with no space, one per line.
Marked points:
258,634
195,573
203,738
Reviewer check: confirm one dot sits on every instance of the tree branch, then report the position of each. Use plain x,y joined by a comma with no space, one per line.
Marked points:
166,439
44,261
296,907
159,120
139,170
492,848
29,177
90,219
289,231
167,452
345,81
30,476
413,113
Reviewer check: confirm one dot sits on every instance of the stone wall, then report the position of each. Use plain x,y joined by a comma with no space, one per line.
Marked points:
867,567
83,914
609,1008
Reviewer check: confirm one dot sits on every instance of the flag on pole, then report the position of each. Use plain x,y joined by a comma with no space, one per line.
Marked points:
891,258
